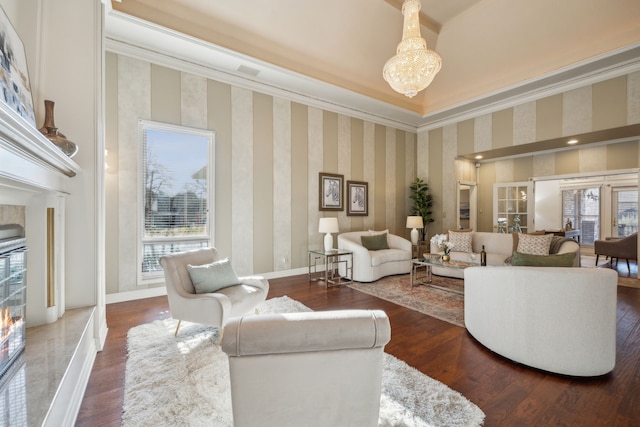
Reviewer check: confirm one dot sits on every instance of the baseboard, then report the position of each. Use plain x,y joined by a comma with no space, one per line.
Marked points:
161,290
68,398
137,294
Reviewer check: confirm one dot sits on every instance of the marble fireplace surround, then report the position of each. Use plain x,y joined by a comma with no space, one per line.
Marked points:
60,347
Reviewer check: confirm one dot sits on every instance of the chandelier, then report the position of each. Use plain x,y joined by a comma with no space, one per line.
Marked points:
414,66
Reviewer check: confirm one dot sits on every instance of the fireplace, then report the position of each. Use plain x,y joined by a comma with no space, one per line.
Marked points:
12,295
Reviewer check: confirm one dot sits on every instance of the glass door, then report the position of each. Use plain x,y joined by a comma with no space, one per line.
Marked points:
513,207
624,211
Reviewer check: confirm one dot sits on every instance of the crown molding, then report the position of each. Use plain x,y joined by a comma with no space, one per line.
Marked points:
131,36
612,64
135,37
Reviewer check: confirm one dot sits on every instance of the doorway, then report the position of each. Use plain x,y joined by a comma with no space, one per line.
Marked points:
467,205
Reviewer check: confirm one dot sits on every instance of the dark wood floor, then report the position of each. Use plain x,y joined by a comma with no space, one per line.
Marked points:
509,394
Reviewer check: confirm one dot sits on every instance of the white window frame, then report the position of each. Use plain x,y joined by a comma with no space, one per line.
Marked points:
158,277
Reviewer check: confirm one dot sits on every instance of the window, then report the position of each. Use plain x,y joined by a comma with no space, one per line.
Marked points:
176,192
581,207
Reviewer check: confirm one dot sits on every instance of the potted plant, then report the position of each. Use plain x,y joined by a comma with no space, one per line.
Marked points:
422,202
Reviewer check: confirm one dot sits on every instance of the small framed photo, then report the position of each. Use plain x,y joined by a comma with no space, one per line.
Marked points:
358,198
331,197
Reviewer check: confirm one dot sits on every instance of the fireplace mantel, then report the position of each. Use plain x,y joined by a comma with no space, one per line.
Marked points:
28,158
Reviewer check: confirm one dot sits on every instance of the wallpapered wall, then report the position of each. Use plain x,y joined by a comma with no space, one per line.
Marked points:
604,105
269,152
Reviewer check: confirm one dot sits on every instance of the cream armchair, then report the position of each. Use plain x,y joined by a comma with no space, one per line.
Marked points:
210,308
369,266
307,369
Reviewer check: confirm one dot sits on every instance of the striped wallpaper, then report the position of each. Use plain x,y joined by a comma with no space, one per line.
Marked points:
604,105
269,152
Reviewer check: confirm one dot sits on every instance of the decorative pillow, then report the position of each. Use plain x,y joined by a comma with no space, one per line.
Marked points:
555,260
209,278
374,233
375,242
461,241
534,245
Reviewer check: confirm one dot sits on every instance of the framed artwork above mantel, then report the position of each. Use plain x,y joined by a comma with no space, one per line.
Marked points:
15,88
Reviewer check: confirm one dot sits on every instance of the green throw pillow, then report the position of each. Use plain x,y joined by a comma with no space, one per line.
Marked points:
375,242
212,277
554,260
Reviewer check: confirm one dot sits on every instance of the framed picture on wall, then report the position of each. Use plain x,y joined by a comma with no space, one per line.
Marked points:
358,198
15,89
331,197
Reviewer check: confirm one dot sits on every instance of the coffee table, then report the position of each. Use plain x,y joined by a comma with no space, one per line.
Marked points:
421,270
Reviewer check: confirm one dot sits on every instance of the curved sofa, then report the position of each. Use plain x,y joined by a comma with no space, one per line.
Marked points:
369,266
558,319
499,247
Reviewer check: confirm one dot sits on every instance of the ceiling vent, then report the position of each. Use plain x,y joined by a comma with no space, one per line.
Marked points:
248,70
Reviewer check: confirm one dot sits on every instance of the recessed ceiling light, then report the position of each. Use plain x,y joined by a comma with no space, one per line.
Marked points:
478,157
572,141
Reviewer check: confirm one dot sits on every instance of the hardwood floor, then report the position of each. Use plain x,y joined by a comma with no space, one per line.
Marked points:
509,394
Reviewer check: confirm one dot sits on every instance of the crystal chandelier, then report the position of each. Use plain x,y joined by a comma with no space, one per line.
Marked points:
414,66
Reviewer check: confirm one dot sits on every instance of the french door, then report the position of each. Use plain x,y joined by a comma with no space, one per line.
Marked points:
513,207
624,209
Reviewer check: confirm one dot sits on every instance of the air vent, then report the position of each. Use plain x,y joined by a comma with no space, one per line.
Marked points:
248,70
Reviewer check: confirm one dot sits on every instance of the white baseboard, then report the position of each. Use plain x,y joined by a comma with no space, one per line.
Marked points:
161,290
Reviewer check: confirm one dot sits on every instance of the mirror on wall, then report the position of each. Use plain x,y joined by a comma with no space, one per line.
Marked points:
467,205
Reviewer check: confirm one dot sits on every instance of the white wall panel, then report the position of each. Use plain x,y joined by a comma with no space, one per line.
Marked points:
483,133
193,101
316,150
369,170
281,184
633,98
134,102
390,167
524,123
242,180
576,111
344,166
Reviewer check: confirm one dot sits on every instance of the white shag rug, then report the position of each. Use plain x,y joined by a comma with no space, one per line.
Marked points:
184,381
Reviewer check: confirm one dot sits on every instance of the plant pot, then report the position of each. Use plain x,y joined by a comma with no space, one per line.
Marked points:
446,258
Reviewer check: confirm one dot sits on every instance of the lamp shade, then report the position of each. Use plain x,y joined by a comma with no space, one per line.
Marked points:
328,225
414,222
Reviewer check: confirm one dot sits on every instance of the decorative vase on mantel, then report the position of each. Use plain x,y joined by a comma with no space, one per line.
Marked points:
50,130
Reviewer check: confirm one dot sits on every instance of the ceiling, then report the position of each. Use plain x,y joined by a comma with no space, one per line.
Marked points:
489,48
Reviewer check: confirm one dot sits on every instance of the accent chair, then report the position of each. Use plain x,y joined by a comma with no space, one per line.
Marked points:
213,308
307,369
616,248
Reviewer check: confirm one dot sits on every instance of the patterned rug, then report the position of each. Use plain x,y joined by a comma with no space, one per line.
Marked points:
441,304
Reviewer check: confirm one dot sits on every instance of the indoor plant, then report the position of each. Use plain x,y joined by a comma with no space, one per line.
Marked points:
422,202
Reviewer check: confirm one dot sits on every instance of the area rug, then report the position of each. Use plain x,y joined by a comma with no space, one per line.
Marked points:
184,381
441,304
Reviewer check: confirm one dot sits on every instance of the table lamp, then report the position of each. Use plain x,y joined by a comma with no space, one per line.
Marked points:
328,225
414,222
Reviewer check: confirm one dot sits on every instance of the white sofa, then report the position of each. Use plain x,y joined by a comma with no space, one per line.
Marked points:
499,247
369,266
558,319
307,369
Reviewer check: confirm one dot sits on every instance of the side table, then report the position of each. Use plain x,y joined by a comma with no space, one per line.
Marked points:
417,251
332,260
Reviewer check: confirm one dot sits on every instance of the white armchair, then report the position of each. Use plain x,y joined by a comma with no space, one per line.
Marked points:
369,266
209,308
307,369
